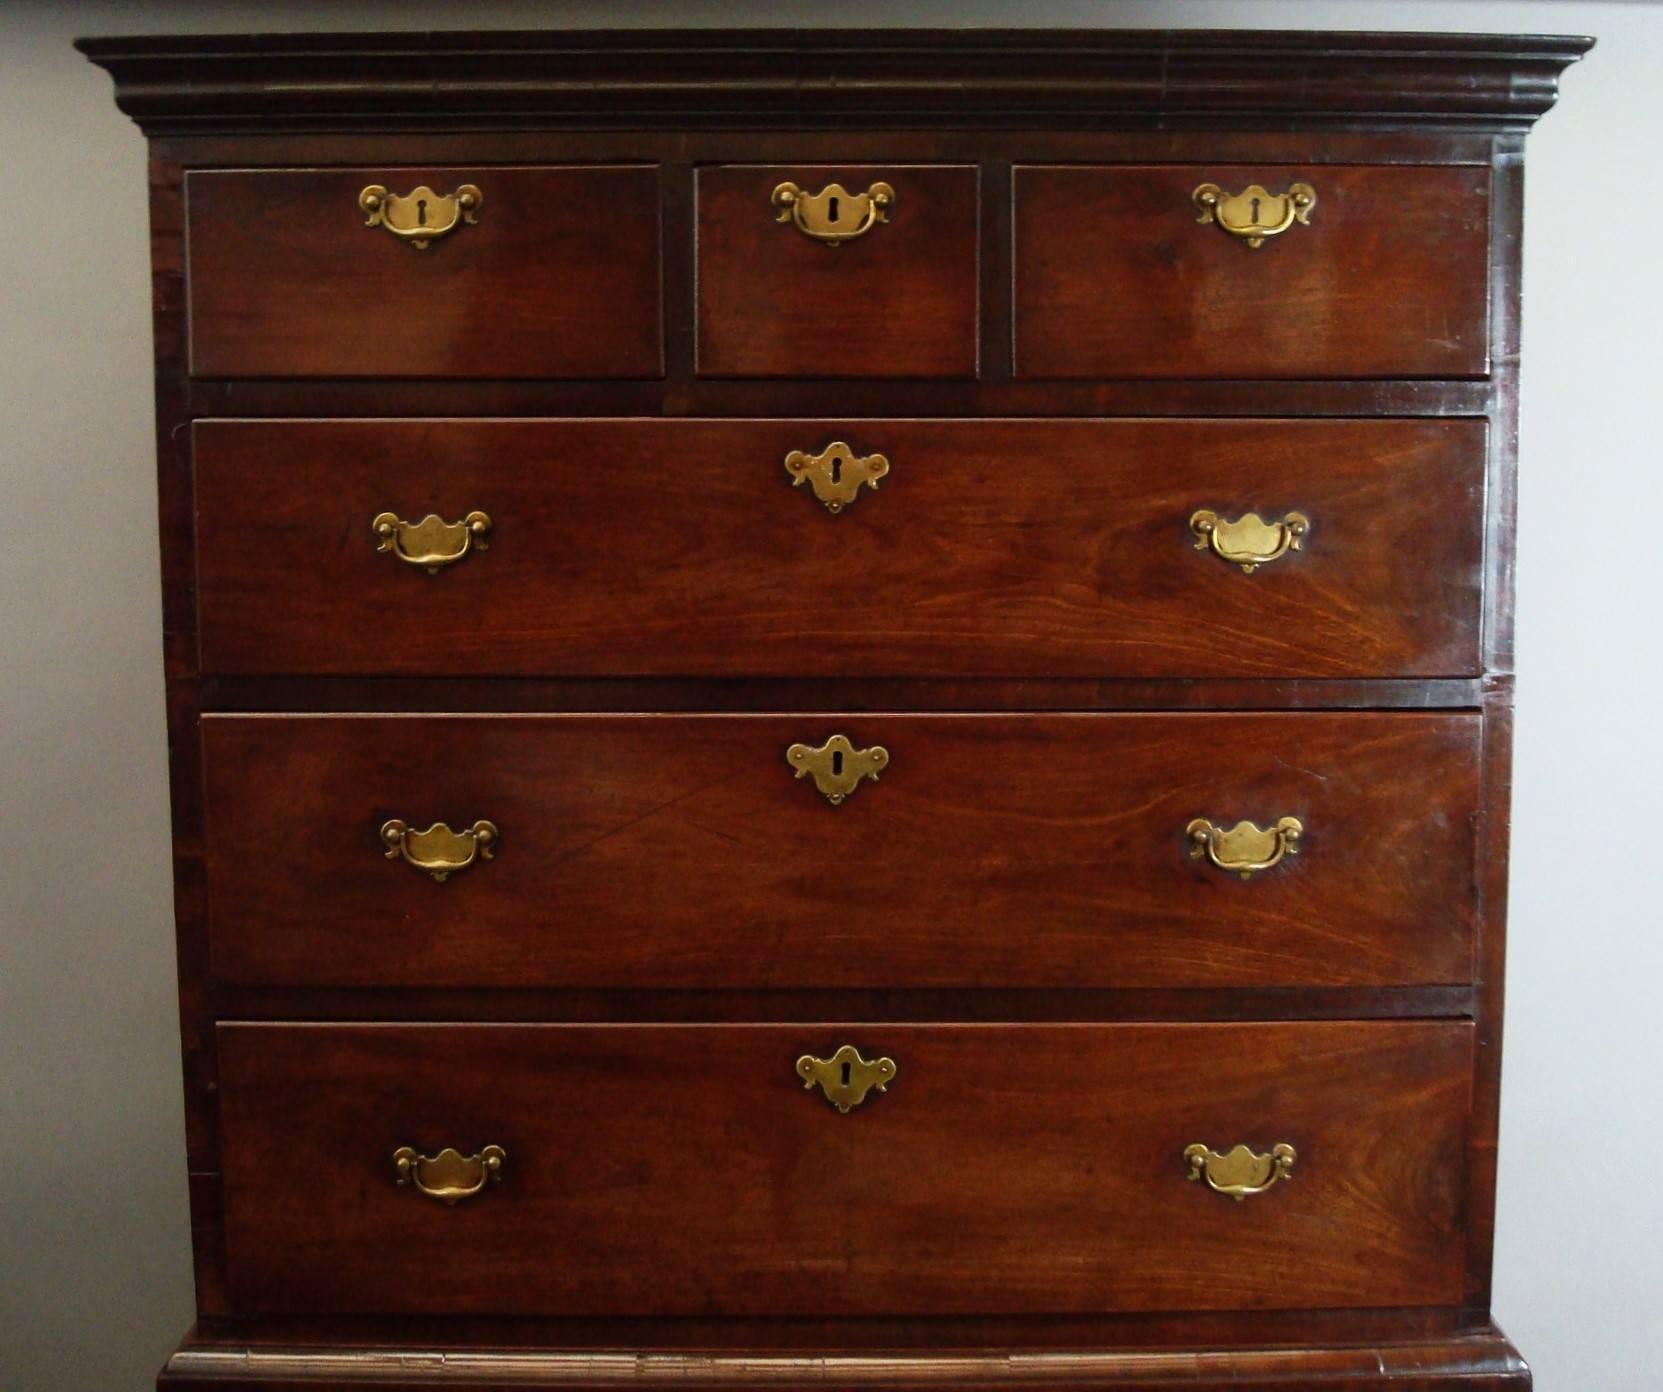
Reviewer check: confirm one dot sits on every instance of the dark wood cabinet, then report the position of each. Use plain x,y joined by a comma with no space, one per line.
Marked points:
840,702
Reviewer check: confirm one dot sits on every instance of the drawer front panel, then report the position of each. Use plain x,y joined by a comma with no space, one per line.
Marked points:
686,1170
997,548
1117,277
897,300
557,277
688,851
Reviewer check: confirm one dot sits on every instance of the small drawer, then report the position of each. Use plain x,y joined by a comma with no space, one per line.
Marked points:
527,272
688,1170
1274,548
837,271
916,851
1153,271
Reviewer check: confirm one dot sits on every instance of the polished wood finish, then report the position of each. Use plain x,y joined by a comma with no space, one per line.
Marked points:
663,111
558,278
1019,851
991,548
1115,277
899,301
687,1171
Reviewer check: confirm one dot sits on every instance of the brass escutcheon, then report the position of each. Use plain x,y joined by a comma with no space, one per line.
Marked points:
834,215
448,1176
431,543
1244,849
846,1077
1255,213
420,216
1241,1172
837,766
836,473
439,851
1250,541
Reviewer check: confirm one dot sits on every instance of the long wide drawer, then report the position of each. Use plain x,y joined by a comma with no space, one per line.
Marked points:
977,1169
707,851
879,547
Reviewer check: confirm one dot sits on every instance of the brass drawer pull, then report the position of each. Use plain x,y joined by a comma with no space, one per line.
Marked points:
846,1077
837,766
836,473
1255,213
1241,1172
439,851
1244,849
431,543
1250,541
834,215
449,1176
420,216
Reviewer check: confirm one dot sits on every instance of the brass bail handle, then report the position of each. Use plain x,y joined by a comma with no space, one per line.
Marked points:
439,851
834,215
420,216
1249,541
1255,213
1240,1172
1244,849
431,543
449,1176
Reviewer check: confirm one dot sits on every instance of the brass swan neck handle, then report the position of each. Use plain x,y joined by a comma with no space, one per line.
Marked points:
1244,849
1240,1172
449,1176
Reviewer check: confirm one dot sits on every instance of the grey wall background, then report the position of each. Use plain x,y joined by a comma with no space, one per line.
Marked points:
94,1260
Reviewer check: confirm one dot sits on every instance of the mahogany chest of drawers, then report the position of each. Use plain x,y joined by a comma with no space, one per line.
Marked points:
840,702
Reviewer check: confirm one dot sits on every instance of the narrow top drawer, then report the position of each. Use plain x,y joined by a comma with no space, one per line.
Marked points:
424,272
837,270
1245,271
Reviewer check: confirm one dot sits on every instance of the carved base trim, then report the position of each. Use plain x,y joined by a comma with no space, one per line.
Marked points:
1477,1363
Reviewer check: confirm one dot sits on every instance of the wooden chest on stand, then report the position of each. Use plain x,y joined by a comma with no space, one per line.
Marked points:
840,702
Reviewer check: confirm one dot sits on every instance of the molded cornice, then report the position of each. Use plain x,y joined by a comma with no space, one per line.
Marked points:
828,78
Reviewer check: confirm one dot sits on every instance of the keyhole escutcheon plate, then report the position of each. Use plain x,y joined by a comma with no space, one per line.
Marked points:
420,216
837,767
834,215
1255,213
846,1077
836,473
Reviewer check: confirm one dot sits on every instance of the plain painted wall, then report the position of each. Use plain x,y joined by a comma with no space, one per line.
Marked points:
95,1281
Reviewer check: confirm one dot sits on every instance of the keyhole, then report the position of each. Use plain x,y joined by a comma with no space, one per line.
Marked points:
421,212
837,468
837,770
831,210
846,1068
1255,214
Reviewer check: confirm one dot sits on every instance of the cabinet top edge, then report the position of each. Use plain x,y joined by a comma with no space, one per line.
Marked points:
820,78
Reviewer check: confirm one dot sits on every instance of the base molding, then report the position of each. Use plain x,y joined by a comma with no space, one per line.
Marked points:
1483,1362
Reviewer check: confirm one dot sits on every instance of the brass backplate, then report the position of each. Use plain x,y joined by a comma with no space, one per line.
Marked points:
837,767
420,216
1249,541
834,215
1244,849
439,851
846,1077
450,1175
1241,1171
1255,213
431,543
836,473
